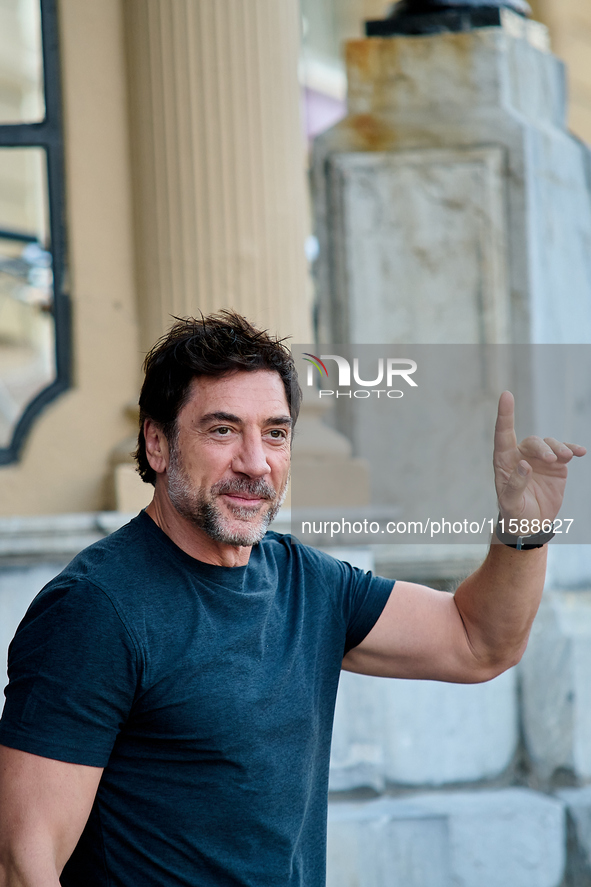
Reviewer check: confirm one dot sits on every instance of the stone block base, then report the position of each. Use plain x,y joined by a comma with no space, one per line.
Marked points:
578,814
479,839
556,685
387,842
422,733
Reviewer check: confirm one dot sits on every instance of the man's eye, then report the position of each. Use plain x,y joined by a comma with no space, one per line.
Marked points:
278,434
223,431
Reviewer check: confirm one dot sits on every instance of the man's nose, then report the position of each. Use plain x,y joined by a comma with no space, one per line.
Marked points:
251,458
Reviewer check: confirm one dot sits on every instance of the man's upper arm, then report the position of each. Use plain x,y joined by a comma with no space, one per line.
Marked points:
73,674
44,806
420,635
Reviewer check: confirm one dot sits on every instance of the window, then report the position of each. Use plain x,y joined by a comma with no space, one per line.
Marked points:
34,307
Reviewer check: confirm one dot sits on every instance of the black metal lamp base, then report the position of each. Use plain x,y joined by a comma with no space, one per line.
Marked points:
434,16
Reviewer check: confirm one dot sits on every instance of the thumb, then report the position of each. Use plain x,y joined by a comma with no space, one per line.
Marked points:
511,497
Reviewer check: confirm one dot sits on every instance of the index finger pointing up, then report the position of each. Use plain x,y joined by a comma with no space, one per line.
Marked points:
505,425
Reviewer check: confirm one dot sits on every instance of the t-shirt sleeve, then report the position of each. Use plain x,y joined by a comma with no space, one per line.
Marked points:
368,598
73,671
358,597
363,601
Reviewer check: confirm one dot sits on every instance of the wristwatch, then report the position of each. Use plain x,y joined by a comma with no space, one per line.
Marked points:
523,543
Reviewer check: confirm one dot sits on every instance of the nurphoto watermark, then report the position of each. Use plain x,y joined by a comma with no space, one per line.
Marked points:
395,442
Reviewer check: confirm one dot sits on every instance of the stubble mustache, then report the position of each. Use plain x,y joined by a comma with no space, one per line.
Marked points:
258,488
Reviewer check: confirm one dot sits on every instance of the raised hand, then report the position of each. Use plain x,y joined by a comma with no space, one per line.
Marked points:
530,477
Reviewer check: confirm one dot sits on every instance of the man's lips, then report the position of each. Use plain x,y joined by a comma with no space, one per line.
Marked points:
250,495
243,501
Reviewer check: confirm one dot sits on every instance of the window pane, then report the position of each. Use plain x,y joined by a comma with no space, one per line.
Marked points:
27,333
21,63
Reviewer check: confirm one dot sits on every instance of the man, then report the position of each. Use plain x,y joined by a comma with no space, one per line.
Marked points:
169,711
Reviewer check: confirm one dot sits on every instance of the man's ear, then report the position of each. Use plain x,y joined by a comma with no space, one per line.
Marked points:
157,451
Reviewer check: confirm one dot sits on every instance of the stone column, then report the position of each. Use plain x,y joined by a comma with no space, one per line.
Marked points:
218,159
452,203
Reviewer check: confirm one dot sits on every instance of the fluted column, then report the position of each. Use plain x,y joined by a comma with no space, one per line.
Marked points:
218,158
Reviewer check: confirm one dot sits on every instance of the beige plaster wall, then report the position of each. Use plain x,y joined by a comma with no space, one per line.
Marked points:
570,30
65,461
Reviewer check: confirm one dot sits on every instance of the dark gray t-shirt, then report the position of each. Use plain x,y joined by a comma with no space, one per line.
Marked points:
207,694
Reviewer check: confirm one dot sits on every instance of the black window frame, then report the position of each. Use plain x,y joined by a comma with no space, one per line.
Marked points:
47,134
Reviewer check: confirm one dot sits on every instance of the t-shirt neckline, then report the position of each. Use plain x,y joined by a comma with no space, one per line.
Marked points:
228,576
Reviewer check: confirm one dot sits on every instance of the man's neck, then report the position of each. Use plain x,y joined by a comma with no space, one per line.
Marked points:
193,540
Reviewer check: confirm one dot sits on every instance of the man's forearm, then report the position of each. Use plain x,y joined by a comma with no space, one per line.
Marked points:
28,862
29,875
498,604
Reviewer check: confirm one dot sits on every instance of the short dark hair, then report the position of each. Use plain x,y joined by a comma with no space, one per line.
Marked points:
210,346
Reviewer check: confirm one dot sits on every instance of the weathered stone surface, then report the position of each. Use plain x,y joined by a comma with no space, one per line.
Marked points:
387,842
506,837
409,220
358,743
54,538
419,111
421,732
438,733
569,566
479,839
578,814
556,681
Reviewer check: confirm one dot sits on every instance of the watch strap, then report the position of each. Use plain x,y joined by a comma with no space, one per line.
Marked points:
523,543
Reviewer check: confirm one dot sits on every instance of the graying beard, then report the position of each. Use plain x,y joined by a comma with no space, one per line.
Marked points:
204,514
211,522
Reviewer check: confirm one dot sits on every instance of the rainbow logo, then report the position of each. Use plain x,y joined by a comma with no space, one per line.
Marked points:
315,361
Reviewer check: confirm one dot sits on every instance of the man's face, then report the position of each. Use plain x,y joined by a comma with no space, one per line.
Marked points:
229,462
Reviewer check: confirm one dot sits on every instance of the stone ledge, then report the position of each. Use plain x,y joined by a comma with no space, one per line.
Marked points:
51,538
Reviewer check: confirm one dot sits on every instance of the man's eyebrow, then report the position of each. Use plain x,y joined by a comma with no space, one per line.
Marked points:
220,416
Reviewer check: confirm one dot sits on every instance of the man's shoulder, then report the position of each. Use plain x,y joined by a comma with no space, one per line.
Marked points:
136,557
285,546
117,557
